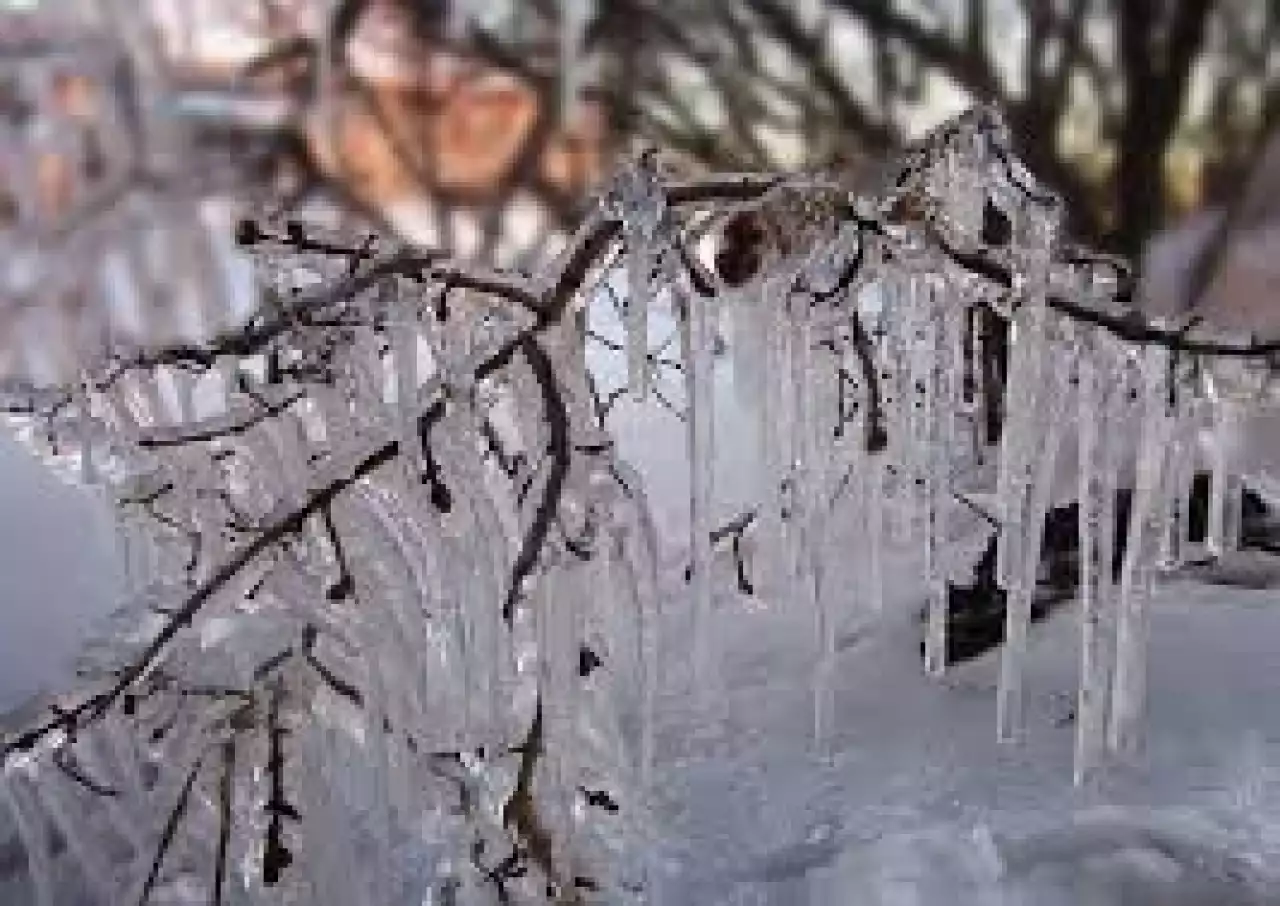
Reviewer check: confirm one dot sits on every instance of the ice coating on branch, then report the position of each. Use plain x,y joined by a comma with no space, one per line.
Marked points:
638,202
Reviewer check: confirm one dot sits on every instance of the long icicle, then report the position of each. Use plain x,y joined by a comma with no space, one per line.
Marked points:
869,467
1091,702
1038,500
772,436
636,321
1175,486
941,400
1111,452
1128,693
1233,489
641,205
1017,448
875,528
700,321
814,406
1183,479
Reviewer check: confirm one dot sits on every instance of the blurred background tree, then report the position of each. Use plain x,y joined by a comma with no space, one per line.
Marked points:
1137,110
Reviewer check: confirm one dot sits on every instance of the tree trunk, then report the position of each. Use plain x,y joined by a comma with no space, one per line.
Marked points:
1159,44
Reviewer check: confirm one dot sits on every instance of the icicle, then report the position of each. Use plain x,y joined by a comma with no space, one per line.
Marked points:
377,541
288,438
638,201
1112,449
1233,494
1019,536
411,550
1175,489
560,640
638,560
942,398
901,323
636,325
814,405
1091,490
770,376
849,568
1223,508
977,402
1128,693
800,487
486,630
923,358
700,329
1184,470
372,559
404,339
747,321
875,533
1010,698
870,467
651,672
185,384
823,681
84,424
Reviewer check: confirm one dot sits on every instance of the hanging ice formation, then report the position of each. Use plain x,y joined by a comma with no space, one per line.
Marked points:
638,202
398,612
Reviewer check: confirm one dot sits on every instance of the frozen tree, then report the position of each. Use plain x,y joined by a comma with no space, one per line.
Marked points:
397,599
